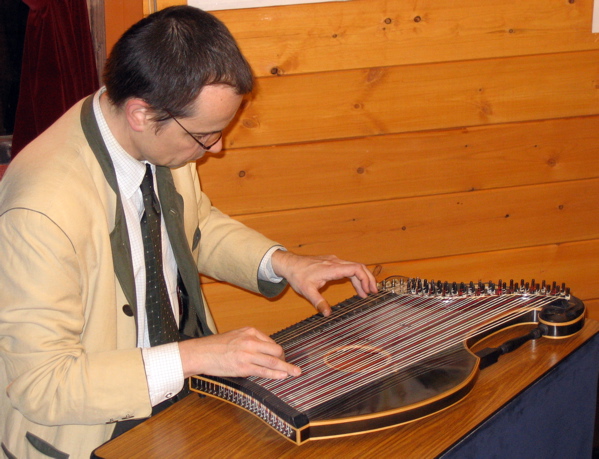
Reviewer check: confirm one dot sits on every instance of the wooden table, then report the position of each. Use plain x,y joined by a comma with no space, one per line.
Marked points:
205,427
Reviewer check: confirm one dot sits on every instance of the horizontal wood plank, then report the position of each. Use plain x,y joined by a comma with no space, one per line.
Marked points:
309,38
592,306
356,103
573,263
425,227
261,179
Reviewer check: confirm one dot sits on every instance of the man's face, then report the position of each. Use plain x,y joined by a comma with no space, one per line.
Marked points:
172,146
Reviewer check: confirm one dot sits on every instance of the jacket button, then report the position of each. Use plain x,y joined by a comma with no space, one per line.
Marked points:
127,310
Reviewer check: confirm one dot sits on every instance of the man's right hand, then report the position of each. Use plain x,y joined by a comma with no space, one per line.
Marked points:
244,352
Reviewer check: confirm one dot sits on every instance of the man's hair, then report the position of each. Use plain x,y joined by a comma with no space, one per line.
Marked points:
167,58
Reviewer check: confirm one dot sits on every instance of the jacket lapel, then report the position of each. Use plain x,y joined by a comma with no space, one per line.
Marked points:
119,237
193,322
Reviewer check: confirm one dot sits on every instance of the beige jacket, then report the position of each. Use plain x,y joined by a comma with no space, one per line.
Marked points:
69,364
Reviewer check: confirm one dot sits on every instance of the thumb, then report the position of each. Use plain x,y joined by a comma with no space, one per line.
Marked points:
322,306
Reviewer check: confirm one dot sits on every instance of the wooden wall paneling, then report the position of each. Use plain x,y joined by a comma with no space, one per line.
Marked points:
452,224
357,133
372,33
258,179
120,15
592,308
572,263
356,103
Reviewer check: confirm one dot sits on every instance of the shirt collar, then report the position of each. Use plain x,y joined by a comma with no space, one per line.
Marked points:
129,171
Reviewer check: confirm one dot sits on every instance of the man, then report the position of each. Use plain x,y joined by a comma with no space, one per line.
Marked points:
82,349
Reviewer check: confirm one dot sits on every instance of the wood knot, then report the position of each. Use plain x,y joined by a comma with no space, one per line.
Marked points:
374,75
249,123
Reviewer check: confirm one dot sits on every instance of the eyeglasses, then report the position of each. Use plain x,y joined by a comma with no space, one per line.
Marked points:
208,140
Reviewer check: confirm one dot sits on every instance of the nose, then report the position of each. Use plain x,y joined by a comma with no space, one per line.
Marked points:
217,147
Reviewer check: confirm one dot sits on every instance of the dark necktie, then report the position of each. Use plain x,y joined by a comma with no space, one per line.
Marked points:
162,327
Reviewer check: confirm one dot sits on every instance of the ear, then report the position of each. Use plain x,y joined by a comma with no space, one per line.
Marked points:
137,113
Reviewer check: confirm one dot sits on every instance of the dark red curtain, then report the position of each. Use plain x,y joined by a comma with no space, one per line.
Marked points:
58,68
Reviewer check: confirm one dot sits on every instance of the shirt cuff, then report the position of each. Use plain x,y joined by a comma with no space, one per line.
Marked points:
265,271
164,371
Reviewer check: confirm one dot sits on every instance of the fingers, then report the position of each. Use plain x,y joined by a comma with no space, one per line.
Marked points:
323,306
267,366
268,358
244,352
359,275
307,275
364,282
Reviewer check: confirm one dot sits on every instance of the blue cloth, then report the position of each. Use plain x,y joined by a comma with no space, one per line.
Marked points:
553,418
